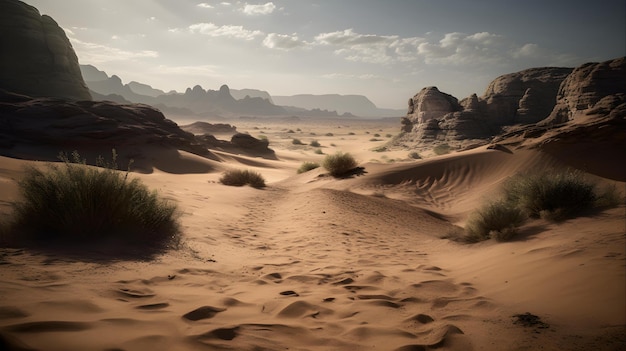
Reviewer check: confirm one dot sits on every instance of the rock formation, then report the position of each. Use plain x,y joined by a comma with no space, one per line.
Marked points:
593,88
54,125
519,98
239,143
37,57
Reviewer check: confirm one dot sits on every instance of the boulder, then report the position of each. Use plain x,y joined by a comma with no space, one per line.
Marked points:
37,57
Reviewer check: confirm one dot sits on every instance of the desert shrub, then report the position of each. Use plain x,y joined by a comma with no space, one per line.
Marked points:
329,134
263,136
351,133
374,139
551,195
340,163
609,196
315,143
290,131
297,141
332,144
380,149
319,151
377,135
238,177
388,135
72,203
307,166
415,155
442,149
497,220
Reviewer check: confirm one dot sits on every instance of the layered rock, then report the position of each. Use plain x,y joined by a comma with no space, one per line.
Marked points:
55,125
519,98
37,57
586,87
240,143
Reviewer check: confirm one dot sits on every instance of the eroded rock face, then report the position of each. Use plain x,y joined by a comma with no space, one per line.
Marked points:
96,126
37,58
519,98
587,86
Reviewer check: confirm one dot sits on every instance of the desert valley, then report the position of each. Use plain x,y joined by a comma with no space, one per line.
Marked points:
377,257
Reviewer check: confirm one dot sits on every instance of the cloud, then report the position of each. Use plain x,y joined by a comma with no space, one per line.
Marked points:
264,9
283,41
367,76
205,5
370,48
97,53
214,30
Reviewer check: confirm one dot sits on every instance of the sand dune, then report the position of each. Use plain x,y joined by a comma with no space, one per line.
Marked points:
316,263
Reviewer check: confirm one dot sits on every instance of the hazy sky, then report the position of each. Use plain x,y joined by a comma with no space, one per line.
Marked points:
385,49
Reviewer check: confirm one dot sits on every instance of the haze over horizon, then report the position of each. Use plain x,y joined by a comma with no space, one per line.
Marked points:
385,50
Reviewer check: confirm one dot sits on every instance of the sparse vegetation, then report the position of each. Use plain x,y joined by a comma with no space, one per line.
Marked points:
240,177
442,149
551,195
388,135
75,204
315,143
374,139
263,137
351,133
319,151
297,141
377,135
497,220
290,131
329,134
307,166
339,164
380,149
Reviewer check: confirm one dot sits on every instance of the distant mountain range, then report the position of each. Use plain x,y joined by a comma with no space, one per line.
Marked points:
227,102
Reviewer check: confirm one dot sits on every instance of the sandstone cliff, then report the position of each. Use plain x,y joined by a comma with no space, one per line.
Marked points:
37,58
591,89
524,97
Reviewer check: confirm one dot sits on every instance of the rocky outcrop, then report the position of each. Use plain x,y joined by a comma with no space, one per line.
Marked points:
37,58
591,89
209,128
58,125
240,143
519,98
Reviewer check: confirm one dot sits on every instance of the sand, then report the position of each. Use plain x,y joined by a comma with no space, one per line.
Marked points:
315,263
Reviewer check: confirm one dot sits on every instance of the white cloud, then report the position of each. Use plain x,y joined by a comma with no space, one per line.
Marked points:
214,30
225,3
205,5
282,41
264,9
370,48
97,53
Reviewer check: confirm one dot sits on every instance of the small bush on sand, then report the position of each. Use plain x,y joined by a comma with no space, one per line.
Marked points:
238,177
319,151
297,141
551,195
73,203
307,166
415,155
497,220
442,149
339,164
315,143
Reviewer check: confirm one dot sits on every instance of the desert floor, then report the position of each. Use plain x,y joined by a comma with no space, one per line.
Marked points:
316,263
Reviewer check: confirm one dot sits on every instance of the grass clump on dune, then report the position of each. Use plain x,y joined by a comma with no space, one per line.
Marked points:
497,220
339,164
73,203
551,195
307,166
240,177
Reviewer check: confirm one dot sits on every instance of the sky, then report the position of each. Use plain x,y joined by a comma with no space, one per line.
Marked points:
387,50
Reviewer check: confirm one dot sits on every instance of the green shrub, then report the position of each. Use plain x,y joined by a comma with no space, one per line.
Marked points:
497,220
551,195
442,149
315,143
73,203
307,166
340,163
297,142
240,177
